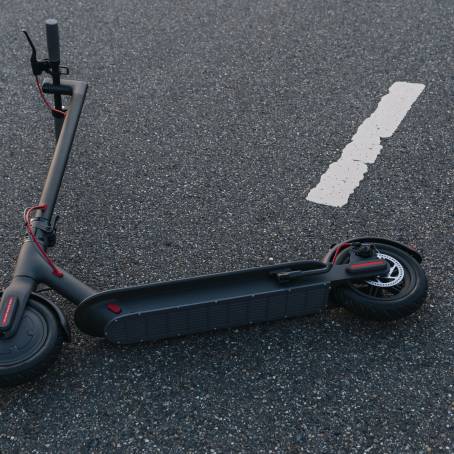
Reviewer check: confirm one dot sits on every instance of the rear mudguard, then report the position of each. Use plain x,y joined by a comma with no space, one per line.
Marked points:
370,239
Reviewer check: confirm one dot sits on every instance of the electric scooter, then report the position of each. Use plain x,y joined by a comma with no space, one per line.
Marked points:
375,278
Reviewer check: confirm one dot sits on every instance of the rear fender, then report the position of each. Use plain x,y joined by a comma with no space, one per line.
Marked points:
409,250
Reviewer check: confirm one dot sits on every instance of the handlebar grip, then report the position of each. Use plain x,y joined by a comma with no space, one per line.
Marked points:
53,40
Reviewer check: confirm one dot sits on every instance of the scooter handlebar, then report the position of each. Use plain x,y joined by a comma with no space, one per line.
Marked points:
53,40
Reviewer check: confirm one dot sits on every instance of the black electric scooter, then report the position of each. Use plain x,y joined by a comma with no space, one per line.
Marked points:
374,277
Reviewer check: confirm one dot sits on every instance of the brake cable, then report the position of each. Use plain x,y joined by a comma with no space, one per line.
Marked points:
29,228
46,102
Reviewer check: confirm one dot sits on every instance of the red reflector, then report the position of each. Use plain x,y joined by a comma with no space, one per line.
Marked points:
8,311
115,308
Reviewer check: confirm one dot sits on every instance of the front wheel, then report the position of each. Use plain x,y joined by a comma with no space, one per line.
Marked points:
398,294
33,348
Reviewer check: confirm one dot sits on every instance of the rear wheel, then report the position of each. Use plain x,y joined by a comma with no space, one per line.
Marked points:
33,348
398,294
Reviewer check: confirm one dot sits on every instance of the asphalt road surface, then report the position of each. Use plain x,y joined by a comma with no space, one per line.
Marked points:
206,125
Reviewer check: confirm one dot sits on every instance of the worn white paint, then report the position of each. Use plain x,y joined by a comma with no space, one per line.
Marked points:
344,175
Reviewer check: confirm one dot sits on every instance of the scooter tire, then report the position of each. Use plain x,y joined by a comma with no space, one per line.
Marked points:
385,303
34,347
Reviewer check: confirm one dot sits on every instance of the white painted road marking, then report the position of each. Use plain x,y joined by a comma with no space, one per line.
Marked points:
344,175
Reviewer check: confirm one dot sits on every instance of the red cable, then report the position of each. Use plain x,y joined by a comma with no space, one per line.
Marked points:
29,227
338,249
46,102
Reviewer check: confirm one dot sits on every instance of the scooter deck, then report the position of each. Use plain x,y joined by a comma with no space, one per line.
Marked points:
204,303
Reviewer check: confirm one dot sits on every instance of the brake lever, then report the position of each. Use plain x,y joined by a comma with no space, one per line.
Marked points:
38,66
33,57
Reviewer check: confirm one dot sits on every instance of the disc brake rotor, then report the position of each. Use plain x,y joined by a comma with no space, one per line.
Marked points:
395,275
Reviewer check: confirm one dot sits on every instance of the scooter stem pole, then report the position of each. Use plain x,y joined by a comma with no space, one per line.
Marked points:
63,148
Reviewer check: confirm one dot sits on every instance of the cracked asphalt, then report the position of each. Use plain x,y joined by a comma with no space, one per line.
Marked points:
205,126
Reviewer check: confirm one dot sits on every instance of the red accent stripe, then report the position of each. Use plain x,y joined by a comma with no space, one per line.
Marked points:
9,306
376,262
338,249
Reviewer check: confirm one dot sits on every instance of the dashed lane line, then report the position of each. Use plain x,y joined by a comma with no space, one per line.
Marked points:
343,176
